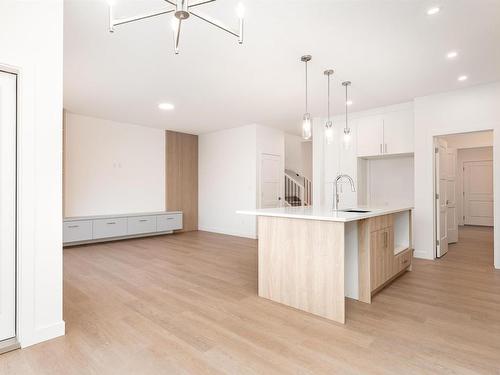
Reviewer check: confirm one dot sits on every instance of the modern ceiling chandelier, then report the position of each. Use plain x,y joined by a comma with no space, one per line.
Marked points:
329,124
306,119
182,11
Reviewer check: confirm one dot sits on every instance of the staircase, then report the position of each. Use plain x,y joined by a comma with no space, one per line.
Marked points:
298,189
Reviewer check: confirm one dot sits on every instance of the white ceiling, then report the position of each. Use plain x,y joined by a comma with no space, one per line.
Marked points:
391,50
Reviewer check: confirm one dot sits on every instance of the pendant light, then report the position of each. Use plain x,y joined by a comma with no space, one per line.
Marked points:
347,129
306,120
329,123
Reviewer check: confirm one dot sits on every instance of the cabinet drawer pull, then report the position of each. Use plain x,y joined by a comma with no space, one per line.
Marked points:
170,218
143,220
111,222
73,226
381,148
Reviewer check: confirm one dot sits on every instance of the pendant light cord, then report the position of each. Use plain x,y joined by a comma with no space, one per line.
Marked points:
346,109
329,97
306,90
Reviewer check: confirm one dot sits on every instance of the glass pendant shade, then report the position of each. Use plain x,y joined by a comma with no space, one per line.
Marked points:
347,130
347,139
306,126
329,132
329,124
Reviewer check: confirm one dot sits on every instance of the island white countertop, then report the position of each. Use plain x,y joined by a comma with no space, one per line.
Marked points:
324,213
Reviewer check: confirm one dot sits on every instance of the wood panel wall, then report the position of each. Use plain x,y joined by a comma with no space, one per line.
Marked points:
181,173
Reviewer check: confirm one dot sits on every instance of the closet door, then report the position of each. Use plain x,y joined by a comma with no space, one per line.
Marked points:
8,93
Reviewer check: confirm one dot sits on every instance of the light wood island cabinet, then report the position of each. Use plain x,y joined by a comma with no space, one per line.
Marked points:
313,258
382,257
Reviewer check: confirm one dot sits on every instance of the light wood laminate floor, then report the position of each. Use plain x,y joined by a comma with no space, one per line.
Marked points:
187,304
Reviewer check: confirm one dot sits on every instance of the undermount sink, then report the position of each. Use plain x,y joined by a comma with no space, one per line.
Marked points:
356,211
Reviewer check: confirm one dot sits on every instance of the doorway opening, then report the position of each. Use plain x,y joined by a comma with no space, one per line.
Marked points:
463,189
298,171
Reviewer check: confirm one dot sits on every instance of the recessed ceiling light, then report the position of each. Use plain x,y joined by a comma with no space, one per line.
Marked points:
433,10
166,106
452,54
462,78
349,102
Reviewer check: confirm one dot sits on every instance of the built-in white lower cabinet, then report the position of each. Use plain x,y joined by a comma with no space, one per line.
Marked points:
8,94
80,230
390,133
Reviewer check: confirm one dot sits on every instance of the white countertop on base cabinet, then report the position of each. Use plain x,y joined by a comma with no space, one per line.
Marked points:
324,213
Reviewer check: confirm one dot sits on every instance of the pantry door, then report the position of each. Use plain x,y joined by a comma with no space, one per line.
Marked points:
8,119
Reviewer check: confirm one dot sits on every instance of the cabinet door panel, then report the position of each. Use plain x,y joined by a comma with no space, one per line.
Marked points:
369,136
378,250
382,257
398,132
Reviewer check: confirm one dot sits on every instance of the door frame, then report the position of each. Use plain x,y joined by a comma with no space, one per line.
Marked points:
436,135
435,156
13,343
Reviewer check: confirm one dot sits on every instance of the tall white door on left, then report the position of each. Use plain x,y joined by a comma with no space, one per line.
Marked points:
8,110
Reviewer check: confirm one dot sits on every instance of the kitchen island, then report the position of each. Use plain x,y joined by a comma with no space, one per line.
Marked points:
312,258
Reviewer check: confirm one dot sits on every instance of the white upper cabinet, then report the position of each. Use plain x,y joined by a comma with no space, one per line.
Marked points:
387,134
370,135
398,132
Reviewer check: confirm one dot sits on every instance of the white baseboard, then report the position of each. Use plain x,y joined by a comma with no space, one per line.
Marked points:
422,255
44,334
229,233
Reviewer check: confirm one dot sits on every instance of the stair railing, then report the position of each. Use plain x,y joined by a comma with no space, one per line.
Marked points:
294,192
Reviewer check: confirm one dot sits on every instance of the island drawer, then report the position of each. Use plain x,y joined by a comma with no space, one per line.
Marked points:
381,222
403,260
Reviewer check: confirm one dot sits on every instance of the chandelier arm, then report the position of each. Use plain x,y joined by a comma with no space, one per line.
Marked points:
215,23
201,2
171,3
122,21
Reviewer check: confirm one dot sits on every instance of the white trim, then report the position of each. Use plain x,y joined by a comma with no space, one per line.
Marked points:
45,333
228,233
10,69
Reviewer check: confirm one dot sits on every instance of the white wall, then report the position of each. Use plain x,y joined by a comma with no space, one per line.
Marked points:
470,140
307,159
112,168
228,168
466,155
31,40
461,111
293,153
390,181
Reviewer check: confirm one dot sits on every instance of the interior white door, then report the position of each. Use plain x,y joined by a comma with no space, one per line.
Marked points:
441,206
451,195
478,193
8,99
270,181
